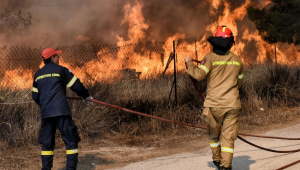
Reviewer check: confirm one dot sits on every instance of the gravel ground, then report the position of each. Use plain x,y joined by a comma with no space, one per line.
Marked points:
245,157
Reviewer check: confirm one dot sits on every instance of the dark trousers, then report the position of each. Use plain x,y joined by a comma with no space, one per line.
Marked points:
69,134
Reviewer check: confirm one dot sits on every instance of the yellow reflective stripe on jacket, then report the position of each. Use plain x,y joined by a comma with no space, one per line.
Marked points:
226,149
213,145
70,84
34,89
204,68
47,153
225,63
241,76
73,151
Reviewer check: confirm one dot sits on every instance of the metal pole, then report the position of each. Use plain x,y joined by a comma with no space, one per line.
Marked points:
170,93
196,49
175,71
275,55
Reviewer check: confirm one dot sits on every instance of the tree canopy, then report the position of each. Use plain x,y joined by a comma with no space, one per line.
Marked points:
279,23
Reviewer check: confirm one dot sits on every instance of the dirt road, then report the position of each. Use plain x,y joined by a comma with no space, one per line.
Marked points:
245,157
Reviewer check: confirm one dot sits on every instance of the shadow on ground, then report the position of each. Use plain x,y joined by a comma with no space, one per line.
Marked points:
239,162
90,161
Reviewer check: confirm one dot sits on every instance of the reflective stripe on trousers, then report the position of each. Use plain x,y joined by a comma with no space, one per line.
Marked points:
229,119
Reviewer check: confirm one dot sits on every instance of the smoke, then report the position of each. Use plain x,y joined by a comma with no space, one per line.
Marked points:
68,22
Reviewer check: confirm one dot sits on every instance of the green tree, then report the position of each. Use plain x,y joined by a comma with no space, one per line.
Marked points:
279,23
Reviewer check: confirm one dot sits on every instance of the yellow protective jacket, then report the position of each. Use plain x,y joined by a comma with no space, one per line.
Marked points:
224,76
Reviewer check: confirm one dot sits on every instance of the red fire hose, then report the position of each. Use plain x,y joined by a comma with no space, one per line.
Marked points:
196,126
284,167
203,127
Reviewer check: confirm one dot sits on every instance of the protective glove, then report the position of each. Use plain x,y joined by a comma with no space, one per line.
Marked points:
88,99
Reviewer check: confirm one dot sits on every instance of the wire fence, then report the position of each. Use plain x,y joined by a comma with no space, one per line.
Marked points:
107,63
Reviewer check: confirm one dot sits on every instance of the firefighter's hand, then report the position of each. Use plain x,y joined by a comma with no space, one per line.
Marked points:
188,58
88,99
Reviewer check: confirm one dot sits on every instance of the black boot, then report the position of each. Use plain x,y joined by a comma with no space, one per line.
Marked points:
217,164
47,162
226,168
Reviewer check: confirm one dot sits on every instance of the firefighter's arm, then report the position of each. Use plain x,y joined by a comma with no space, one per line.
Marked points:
75,85
198,73
241,78
35,93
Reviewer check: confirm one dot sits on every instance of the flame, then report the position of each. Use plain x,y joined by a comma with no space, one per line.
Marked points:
214,5
17,79
263,48
83,38
132,57
140,60
228,18
136,22
265,3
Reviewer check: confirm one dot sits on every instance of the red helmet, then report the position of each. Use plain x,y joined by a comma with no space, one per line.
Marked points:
224,32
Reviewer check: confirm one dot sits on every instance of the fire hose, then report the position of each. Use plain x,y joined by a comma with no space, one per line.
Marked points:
244,134
270,150
203,127
195,126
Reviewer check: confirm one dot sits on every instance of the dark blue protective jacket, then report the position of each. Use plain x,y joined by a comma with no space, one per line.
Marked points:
49,89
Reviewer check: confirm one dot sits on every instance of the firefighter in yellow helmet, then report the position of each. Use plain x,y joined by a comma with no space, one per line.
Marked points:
224,72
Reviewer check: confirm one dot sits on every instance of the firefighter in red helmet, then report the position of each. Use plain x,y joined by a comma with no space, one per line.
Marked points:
49,92
224,72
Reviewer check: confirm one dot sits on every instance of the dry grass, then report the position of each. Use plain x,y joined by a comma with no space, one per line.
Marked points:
275,89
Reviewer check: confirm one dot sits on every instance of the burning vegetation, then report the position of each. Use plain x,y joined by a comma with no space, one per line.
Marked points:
271,77
105,63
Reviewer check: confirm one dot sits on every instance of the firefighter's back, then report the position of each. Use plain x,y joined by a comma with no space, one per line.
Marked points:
222,87
51,86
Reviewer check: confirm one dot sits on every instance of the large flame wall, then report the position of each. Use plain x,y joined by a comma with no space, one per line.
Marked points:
144,60
92,63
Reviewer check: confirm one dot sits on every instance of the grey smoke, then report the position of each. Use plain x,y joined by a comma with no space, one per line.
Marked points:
59,22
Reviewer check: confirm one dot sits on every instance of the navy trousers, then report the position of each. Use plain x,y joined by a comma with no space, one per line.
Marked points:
69,134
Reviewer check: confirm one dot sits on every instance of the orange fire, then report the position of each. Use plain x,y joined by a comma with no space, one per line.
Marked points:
108,66
136,21
17,79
